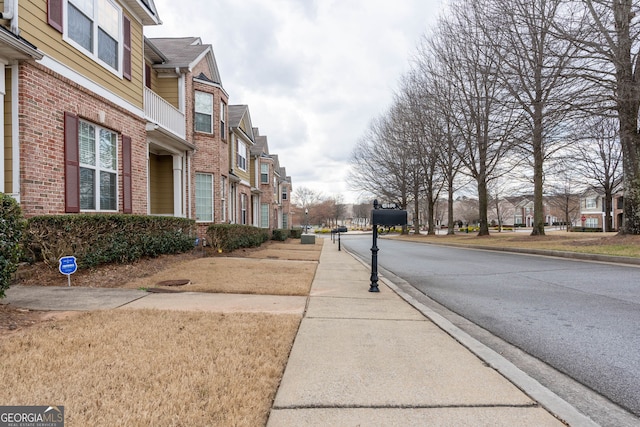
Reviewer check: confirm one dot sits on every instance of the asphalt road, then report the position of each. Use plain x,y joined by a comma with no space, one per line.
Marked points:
582,318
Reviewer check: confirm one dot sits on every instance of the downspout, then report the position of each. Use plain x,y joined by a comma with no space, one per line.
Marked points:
9,14
15,134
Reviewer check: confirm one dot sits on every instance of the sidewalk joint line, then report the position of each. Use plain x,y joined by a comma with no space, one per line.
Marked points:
400,406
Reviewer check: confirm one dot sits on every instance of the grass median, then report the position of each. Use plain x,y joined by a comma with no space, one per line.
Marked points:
588,243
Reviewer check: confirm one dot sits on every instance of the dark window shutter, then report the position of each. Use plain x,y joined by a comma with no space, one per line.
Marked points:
147,75
126,45
71,164
127,197
54,14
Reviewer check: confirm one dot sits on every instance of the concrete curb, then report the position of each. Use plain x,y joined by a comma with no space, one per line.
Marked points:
545,397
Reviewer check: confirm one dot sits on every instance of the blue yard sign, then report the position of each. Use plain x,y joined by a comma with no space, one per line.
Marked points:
67,265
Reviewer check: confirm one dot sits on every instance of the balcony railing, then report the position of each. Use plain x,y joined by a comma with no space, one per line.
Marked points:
159,111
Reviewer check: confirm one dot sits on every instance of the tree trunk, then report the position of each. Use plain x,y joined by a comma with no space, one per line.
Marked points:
483,206
538,173
416,214
450,224
627,101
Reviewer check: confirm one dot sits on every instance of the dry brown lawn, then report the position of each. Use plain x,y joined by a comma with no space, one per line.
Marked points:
236,275
125,367
152,367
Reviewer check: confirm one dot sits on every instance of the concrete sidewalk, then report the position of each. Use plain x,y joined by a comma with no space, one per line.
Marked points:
373,359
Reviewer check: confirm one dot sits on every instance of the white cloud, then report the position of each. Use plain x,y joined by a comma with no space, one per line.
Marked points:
313,72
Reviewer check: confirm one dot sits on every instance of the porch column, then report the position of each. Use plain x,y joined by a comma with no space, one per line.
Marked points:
177,186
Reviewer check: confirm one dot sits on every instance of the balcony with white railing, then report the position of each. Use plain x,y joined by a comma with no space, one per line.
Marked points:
161,112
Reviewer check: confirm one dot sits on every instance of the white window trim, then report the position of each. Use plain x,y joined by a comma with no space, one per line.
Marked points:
97,168
195,111
242,154
213,213
92,55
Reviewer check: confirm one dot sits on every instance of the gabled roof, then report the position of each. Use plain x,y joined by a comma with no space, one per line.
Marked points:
240,119
185,53
276,163
261,146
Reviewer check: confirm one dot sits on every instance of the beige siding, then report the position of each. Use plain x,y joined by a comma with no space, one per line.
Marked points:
168,89
34,27
161,184
8,144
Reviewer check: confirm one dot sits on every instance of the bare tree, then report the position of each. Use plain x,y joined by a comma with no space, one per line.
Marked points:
484,118
533,69
564,193
426,139
380,165
610,49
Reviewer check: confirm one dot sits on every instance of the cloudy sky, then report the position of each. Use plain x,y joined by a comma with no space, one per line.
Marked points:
314,73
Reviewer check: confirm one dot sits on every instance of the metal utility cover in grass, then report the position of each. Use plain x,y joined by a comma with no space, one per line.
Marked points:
175,282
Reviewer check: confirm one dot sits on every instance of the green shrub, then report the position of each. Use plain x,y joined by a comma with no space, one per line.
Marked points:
587,229
229,237
104,238
295,233
280,234
11,228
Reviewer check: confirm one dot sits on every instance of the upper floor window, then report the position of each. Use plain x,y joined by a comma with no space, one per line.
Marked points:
264,173
95,26
284,193
222,116
204,112
242,155
590,203
98,28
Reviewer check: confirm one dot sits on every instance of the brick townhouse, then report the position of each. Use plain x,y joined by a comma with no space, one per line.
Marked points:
97,118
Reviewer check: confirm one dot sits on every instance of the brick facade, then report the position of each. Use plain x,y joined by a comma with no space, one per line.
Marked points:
44,96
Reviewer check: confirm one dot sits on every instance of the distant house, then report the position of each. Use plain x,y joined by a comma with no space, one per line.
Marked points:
592,210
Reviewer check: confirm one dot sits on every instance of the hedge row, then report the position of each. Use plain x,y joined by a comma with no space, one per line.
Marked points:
12,225
104,238
229,237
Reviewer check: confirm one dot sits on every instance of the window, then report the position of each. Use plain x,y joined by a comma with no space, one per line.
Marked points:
204,197
91,168
222,116
204,112
98,168
243,209
285,221
591,223
264,215
223,198
98,28
242,155
284,193
264,173
590,203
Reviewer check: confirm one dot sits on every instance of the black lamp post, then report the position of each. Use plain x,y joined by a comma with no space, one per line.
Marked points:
306,220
